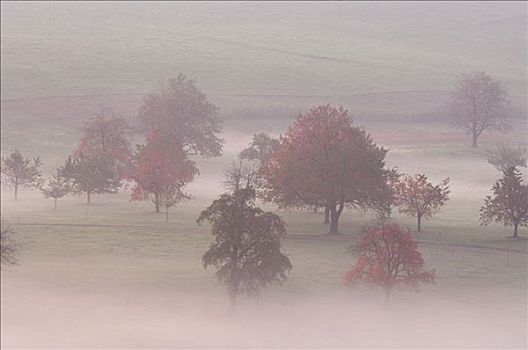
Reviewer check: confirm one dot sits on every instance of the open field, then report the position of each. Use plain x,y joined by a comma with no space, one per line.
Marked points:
107,268
114,274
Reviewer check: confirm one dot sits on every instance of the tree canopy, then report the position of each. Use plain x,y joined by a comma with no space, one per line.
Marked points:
478,104
324,161
21,172
508,203
246,251
57,187
181,109
161,170
388,257
418,197
90,175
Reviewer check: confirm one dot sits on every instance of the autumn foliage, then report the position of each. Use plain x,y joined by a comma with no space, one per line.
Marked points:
160,170
389,257
418,197
324,161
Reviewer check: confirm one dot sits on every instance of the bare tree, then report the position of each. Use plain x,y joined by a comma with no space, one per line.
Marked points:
478,105
505,157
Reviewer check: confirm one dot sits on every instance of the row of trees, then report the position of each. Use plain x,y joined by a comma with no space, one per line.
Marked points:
179,122
247,248
323,160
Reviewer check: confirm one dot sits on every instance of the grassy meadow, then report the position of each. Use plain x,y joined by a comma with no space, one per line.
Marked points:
120,256
114,274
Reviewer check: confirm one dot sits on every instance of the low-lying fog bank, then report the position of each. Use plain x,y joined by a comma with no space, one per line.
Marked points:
62,318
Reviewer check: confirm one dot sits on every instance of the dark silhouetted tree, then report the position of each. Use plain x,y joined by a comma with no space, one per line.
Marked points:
479,104
508,204
160,169
180,109
505,157
8,247
57,187
259,148
324,161
416,196
387,256
246,251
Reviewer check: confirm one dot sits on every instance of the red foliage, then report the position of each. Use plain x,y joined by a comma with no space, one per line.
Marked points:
416,196
324,161
389,257
161,168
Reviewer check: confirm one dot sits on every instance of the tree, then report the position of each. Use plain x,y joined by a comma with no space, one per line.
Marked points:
259,148
388,257
170,197
21,172
478,104
183,111
246,251
57,187
90,175
387,197
509,202
106,136
160,169
324,161
416,196
8,247
505,157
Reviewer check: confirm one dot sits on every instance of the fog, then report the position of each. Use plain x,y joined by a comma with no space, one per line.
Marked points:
115,274
161,319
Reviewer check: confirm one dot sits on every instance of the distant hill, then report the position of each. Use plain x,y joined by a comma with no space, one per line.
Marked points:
261,63
308,48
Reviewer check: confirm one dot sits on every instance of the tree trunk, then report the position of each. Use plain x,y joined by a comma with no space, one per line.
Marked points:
515,227
327,215
16,191
474,143
157,202
166,214
55,204
419,223
335,213
88,197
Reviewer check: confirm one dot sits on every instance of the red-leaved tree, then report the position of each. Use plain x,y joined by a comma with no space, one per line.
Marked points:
389,257
161,170
416,196
324,161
